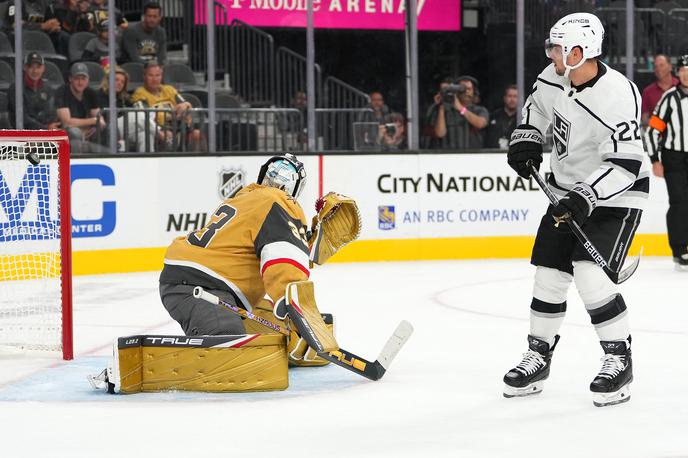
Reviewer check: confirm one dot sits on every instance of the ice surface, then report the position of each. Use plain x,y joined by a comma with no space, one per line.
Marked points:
441,396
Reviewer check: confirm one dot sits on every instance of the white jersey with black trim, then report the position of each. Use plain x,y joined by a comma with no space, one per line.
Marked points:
596,135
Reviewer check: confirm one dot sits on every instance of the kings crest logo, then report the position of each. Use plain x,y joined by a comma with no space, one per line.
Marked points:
385,217
561,130
231,181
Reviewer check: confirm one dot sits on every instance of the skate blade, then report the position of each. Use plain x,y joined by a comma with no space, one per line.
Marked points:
533,388
609,399
680,267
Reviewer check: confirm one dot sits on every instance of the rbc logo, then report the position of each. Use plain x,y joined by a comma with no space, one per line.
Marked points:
385,217
31,213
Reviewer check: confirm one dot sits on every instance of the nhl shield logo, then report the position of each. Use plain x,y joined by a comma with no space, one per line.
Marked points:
561,128
231,181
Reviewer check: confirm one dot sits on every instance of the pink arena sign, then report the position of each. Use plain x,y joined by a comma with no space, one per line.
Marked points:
438,15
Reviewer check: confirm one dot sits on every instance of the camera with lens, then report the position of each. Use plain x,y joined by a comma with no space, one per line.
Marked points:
390,129
449,92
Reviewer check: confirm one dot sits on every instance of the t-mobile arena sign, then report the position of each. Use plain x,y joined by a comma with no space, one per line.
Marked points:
438,15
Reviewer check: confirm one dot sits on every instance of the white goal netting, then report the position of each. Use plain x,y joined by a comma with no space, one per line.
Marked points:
30,280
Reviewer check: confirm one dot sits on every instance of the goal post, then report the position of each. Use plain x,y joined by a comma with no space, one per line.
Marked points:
35,242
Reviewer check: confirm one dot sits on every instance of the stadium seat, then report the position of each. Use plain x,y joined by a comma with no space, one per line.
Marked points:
53,75
6,76
226,100
192,99
4,115
5,44
95,74
180,76
34,40
77,44
135,72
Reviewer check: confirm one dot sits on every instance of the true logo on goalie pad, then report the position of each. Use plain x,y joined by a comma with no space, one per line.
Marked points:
231,181
561,128
386,217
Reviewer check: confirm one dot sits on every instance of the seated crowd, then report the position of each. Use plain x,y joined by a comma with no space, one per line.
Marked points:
79,105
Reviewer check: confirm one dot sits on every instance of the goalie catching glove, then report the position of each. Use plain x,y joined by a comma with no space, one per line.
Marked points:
337,223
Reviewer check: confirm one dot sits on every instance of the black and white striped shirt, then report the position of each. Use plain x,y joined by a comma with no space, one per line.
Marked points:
668,126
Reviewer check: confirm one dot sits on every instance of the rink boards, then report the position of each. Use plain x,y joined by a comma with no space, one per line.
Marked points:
125,211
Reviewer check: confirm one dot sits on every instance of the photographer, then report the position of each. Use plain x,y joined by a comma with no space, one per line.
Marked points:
392,134
458,123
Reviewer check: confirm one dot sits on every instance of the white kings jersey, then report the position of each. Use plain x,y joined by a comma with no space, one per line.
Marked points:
596,135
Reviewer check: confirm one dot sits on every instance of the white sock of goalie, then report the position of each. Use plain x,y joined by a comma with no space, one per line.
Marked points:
548,308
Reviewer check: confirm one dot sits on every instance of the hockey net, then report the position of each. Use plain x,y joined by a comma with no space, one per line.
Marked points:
35,242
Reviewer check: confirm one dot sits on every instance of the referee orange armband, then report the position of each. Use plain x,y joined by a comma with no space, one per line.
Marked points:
657,123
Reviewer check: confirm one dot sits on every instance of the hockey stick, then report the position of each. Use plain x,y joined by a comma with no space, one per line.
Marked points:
371,370
616,277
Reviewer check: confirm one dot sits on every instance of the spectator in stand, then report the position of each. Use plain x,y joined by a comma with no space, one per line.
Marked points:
131,126
146,41
458,122
503,120
154,94
39,15
78,109
392,135
96,50
78,16
380,110
38,97
99,9
665,80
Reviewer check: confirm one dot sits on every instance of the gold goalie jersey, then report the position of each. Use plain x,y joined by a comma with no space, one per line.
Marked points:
255,243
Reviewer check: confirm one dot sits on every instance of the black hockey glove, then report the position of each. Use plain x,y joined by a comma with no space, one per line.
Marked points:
577,204
525,145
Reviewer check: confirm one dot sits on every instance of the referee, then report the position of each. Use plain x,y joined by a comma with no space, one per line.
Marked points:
667,136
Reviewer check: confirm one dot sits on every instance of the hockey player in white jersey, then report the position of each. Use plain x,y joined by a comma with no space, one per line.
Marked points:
601,177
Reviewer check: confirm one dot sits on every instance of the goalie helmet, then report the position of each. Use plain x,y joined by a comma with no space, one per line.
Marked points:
284,172
578,29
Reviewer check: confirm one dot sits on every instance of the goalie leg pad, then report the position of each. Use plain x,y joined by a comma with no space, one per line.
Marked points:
305,317
247,362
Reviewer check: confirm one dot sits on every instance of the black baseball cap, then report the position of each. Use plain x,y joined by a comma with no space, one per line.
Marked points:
33,58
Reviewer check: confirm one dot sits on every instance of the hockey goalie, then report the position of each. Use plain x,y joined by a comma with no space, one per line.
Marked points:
255,254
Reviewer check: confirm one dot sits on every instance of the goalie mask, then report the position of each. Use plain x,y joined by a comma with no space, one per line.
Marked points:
579,29
284,172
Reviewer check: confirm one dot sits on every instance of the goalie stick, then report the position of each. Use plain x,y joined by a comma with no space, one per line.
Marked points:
374,370
616,277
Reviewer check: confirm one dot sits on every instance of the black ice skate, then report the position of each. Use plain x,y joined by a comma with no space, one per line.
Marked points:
529,375
612,384
681,263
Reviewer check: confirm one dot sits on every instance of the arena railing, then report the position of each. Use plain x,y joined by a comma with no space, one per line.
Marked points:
149,130
251,63
651,36
291,76
338,94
